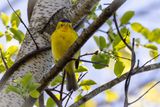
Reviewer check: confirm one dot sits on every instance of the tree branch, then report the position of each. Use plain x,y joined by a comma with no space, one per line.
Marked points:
54,98
133,61
18,63
112,83
41,100
144,93
62,85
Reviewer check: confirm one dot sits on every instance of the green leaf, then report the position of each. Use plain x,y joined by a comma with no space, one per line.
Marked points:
111,96
118,43
118,68
2,68
27,80
87,83
152,36
153,53
8,36
126,17
13,89
137,27
58,79
12,50
1,34
1,47
101,42
10,62
18,35
78,98
81,69
96,39
34,94
33,86
155,35
101,59
5,18
14,19
50,103
86,88
25,86
151,46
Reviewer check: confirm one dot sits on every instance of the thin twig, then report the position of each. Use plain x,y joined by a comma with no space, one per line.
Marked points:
146,63
93,62
4,61
61,91
127,82
41,100
144,93
80,77
117,56
24,25
54,98
119,33
56,91
133,60
86,54
149,61
67,95
68,98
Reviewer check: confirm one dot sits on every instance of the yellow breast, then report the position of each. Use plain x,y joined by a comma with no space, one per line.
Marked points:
61,40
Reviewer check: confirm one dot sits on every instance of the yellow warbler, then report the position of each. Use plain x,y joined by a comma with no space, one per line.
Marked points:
62,38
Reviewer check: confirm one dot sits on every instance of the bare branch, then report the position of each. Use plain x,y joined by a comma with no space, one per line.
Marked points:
41,100
54,98
119,33
112,83
127,82
24,25
68,98
144,93
61,91
133,60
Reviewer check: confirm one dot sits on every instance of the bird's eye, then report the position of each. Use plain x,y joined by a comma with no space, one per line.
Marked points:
62,25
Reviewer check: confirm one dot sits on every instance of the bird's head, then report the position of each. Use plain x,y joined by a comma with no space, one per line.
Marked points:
64,24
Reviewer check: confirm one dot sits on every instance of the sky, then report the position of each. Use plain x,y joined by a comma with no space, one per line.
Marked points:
147,12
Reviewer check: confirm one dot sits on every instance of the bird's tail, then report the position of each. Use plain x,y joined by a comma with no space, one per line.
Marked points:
71,81
71,78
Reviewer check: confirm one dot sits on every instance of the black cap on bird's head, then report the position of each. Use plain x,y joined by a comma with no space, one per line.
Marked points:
65,20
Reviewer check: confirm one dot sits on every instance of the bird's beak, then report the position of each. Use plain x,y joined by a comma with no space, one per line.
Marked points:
65,28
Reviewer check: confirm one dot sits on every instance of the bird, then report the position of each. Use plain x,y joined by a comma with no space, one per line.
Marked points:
61,39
